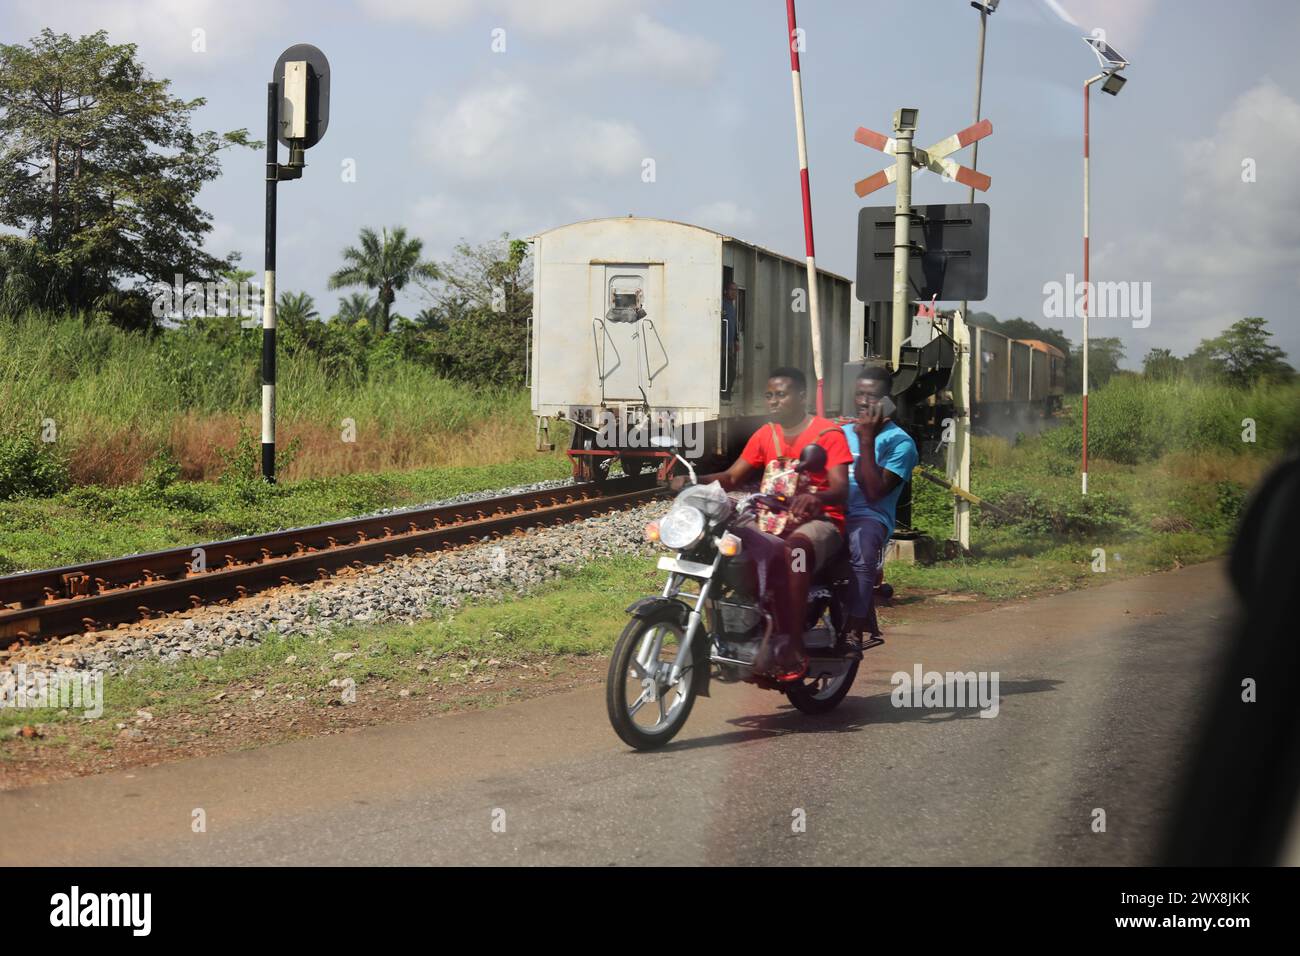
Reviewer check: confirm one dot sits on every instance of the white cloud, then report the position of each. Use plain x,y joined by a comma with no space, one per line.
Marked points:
649,47
508,131
434,13
164,30
550,18
1124,21
1249,227
1232,246
1061,12
559,17
444,219
606,37
226,237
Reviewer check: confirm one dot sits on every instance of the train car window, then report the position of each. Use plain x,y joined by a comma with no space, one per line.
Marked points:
626,299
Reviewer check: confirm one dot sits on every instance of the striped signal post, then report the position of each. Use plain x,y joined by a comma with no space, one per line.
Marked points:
813,307
297,115
1112,64
268,284
1086,260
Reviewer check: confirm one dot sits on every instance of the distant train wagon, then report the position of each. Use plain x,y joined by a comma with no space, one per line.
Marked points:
642,326
1014,375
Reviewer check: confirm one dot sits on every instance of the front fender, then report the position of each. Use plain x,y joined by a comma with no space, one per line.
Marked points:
648,606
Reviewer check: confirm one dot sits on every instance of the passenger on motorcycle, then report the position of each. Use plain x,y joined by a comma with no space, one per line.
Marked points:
883,458
815,532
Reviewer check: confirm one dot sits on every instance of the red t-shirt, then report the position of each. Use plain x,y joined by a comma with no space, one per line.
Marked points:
761,449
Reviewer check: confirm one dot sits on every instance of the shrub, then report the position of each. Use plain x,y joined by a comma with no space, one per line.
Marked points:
931,508
29,469
1038,512
241,472
162,470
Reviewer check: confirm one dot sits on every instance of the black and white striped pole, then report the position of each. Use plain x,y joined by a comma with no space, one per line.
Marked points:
297,113
268,284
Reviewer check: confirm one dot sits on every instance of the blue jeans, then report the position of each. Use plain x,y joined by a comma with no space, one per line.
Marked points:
867,538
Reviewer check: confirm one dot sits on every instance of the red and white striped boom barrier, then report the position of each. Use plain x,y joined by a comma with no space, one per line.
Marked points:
813,308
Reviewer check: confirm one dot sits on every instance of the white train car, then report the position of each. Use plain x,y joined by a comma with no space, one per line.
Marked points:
629,337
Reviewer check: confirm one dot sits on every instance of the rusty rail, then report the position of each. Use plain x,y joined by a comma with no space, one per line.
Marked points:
38,605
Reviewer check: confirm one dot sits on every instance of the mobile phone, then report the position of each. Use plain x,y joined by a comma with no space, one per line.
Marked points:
886,406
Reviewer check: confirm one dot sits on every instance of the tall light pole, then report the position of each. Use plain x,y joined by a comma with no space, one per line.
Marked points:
986,9
1112,63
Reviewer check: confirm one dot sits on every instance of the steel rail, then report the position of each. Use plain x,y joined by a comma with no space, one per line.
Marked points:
38,605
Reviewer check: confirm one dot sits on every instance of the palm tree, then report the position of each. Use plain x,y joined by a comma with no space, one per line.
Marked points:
356,308
430,318
385,263
295,308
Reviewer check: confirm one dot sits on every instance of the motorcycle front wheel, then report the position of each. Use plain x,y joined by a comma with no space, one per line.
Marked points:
645,711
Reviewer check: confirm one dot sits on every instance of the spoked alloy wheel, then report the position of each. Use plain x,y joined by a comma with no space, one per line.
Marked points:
645,711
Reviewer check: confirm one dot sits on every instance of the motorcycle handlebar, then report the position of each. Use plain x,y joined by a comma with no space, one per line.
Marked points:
775,502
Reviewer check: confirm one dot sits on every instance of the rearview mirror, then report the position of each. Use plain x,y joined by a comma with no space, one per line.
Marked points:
812,458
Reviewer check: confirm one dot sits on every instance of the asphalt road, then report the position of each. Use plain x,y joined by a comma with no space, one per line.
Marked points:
1098,701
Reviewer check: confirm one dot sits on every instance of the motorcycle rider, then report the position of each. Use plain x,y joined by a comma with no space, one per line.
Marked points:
817,530
883,458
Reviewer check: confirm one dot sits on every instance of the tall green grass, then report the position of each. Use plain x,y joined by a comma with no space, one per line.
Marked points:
1165,457
120,400
1132,420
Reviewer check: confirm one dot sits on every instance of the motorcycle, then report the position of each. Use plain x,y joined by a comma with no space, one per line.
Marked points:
678,641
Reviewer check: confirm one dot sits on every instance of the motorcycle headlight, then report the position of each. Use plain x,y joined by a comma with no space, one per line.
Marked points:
682,527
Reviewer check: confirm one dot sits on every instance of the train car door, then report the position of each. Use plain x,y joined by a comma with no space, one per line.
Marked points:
630,352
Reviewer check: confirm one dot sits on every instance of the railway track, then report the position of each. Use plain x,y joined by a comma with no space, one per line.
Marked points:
38,605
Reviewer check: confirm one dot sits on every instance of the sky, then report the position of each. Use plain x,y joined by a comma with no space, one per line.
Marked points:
464,120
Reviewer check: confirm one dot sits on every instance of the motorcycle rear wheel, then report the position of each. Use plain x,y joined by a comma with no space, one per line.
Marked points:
821,696
815,695
628,689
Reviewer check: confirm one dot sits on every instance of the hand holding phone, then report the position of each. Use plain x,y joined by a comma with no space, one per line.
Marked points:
874,413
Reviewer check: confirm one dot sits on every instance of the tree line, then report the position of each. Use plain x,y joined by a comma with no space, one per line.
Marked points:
101,173
1241,355
102,168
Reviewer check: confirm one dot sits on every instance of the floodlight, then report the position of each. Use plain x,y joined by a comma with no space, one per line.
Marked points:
1114,83
987,6
905,119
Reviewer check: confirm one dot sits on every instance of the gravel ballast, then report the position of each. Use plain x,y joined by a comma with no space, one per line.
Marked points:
407,588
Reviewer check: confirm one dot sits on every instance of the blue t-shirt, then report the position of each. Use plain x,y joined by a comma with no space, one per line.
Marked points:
896,452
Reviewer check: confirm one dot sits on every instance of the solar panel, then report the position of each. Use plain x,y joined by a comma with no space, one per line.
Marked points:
1106,54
